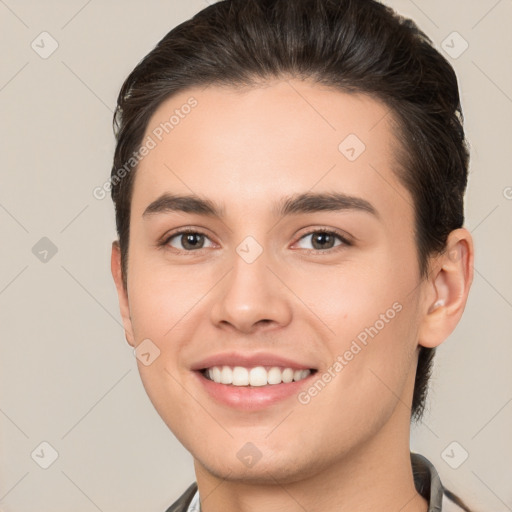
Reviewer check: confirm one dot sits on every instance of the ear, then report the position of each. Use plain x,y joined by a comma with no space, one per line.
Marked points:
448,284
117,274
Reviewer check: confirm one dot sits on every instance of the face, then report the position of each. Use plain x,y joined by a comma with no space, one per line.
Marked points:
270,241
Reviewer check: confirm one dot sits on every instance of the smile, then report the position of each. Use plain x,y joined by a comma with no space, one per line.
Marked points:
257,376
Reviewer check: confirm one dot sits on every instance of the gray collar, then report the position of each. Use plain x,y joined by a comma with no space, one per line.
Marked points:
427,482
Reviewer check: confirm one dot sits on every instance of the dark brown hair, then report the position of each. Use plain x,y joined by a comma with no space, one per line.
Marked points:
351,45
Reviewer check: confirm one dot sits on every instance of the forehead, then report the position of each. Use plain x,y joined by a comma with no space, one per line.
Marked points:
256,144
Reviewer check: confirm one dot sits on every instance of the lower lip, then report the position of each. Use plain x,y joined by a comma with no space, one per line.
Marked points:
251,398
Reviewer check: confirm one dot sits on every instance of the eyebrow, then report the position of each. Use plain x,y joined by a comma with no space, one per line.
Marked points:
300,203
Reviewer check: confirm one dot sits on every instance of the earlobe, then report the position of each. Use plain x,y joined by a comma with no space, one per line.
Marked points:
449,283
117,274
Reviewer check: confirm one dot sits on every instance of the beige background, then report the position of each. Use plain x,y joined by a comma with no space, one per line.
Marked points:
68,377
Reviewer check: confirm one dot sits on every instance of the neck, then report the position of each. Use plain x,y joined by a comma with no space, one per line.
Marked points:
375,476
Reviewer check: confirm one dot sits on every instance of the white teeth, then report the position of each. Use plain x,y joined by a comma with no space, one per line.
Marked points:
216,374
226,376
287,375
257,376
240,376
274,376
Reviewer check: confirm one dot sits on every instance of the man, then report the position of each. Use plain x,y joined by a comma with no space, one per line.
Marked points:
288,182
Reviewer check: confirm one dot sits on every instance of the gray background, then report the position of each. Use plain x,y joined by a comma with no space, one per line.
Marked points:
68,377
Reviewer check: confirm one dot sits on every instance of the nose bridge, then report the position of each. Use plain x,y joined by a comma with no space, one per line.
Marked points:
251,295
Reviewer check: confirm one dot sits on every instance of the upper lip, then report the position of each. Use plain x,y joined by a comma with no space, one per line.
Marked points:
249,360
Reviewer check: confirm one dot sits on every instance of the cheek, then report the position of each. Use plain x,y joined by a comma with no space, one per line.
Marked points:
163,298
368,312
370,375
167,306
161,306
355,293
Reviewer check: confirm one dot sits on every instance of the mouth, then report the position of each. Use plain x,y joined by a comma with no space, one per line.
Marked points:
253,381
257,376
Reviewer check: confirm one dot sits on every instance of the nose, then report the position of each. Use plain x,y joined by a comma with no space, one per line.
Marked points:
251,298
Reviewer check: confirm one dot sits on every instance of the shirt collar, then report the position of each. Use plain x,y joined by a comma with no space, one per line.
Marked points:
427,481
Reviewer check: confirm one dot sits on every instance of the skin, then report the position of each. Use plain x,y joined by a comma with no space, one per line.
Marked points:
246,150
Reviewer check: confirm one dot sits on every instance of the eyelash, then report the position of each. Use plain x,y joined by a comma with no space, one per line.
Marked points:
344,241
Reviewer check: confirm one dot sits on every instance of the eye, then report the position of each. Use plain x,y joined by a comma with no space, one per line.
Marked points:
188,241
321,240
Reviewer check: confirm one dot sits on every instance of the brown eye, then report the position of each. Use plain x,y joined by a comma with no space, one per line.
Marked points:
321,240
188,241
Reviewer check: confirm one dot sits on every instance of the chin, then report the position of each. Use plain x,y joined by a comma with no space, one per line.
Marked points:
267,470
